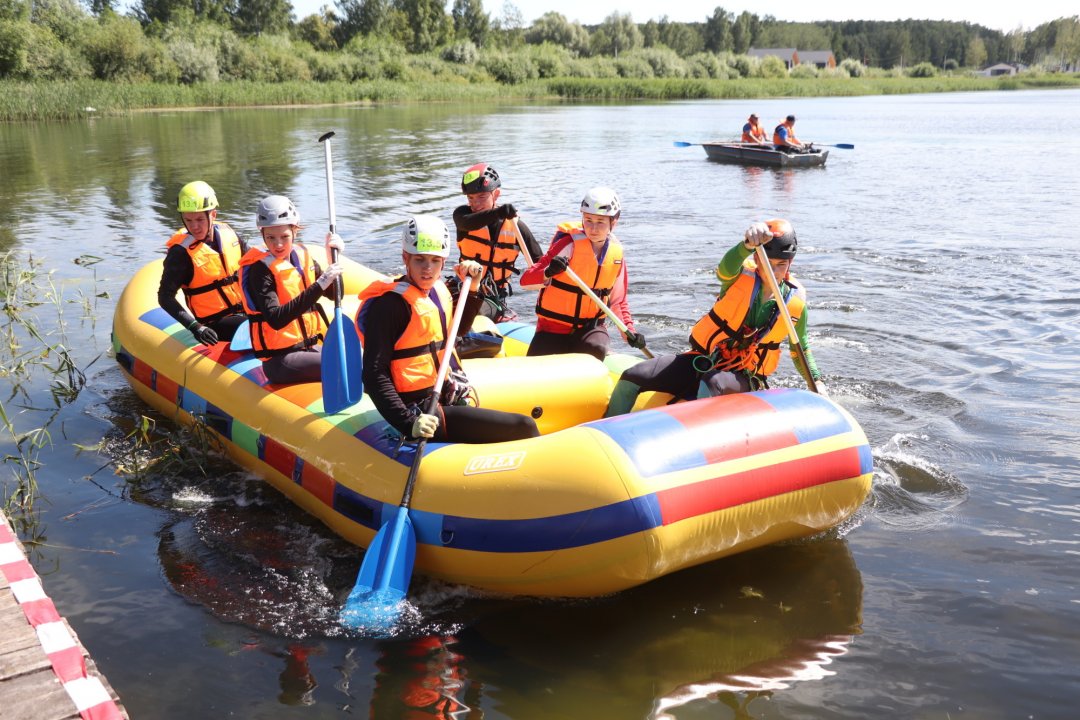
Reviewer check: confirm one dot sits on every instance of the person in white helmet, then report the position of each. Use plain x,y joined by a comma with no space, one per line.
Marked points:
567,321
282,283
403,324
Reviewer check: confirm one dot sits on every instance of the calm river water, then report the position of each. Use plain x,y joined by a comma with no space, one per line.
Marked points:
941,260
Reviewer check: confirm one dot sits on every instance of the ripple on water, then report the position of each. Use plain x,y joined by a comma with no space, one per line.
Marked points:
910,491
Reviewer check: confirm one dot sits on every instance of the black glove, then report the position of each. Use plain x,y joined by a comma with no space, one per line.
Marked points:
557,265
508,211
635,340
203,334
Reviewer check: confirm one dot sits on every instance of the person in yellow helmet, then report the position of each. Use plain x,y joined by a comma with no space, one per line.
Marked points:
202,260
735,346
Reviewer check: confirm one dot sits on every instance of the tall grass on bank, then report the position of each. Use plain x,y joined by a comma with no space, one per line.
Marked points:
29,358
66,100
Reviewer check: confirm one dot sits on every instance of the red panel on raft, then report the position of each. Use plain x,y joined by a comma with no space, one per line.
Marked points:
742,426
279,457
728,491
318,483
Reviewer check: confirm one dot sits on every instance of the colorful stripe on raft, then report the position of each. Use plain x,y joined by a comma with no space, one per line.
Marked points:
669,440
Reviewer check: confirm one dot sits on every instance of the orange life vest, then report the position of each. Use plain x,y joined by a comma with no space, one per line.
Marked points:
752,133
777,140
723,333
561,301
291,280
497,257
214,290
415,360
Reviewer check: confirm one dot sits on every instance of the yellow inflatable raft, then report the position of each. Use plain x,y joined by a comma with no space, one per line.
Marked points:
591,507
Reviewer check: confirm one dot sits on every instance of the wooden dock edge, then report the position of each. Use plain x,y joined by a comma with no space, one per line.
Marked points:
45,672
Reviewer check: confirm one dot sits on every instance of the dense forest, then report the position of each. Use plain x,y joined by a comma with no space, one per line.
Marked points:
194,41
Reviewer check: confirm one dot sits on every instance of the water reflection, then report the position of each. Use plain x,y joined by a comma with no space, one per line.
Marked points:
730,631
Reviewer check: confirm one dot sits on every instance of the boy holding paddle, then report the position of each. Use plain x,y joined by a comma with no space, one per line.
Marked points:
735,346
404,323
567,319
282,284
486,233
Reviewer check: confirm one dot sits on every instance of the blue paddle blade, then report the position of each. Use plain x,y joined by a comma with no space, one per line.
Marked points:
375,600
241,340
342,365
681,143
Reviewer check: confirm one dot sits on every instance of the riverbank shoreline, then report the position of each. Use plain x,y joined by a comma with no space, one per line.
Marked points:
82,99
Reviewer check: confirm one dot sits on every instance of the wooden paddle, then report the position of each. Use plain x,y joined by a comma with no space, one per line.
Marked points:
522,245
603,307
342,359
388,563
793,336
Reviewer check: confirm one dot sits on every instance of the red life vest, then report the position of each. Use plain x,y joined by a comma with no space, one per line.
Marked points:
291,280
561,301
214,290
415,360
723,333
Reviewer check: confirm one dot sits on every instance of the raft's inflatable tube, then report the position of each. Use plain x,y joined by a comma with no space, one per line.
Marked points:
591,507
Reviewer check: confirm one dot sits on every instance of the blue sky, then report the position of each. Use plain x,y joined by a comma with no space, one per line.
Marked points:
999,15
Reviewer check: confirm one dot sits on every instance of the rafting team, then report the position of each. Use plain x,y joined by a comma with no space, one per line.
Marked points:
276,286
783,138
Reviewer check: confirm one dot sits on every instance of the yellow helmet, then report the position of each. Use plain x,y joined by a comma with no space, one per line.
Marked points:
196,197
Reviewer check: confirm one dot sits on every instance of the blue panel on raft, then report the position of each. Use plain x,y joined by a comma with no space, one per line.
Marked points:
359,508
866,460
517,331
250,367
158,318
383,438
811,416
656,442
559,532
191,402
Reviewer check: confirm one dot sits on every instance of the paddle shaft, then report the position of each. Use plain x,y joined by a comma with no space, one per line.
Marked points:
440,378
603,306
793,335
331,210
521,244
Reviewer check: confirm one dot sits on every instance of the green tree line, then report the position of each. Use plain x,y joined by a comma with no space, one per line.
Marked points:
191,41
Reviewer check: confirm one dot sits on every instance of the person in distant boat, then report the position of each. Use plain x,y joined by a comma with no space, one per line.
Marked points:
736,345
567,320
282,284
784,137
202,260
403,325
752,132
486,234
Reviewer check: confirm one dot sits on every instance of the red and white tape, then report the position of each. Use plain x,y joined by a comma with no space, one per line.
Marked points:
91,698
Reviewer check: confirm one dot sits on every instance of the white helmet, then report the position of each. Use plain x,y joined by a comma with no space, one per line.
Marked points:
425,235
276,210
601,201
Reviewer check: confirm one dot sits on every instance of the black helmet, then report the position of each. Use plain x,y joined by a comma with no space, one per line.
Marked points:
784,243
480,178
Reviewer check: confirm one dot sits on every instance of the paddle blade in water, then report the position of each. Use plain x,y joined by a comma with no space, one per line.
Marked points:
384,576
681,143
241,340
342,365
